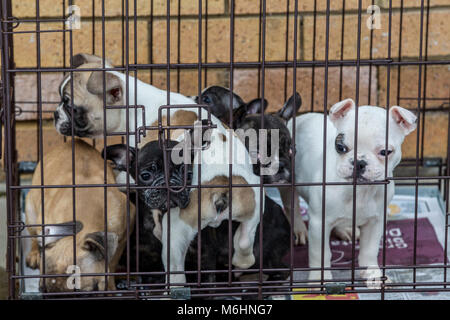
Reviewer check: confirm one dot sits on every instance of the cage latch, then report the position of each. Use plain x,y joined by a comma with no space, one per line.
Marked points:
335,288
180,293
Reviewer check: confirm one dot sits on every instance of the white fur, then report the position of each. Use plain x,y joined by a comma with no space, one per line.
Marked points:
339,199
152,98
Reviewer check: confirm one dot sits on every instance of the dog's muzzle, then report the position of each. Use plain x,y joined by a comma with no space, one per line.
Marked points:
63,120
155,197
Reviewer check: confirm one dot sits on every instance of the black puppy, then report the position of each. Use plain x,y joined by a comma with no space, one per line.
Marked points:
248,116
147,169
146,166
214,250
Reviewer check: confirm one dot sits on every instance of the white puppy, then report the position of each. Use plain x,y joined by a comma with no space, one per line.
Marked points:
372,155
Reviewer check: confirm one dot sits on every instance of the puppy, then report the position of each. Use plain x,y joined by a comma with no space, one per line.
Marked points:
214,249
85,104
248,116
340,166
218,99
91,248
147,168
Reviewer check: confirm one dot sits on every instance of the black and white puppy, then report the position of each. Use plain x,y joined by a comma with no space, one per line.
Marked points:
149,163
248,116
147,168
214,248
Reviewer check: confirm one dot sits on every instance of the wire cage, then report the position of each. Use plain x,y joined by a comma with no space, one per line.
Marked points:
380,53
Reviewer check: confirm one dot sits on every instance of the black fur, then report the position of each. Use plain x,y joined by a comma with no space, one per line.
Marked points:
214,248
80,120
218,99
148,170
248,116
276,238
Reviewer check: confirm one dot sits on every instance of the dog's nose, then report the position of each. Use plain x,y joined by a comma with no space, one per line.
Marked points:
360,166
56,115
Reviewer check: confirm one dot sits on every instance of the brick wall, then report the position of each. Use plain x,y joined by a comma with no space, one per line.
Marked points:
151,28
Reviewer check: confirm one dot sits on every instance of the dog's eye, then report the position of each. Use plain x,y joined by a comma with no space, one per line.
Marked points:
145,176
206,99
385,153
189,176
341,148
47,246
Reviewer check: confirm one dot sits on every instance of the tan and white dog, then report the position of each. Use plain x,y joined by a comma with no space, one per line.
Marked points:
87,108
91,248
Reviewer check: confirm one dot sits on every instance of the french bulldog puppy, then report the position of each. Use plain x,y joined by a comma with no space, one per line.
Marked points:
369,166
82,96
248,116
149,163
92,245
214,249
147,168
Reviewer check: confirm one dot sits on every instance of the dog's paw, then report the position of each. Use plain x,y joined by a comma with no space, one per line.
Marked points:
345,233
300,232
33,260
373,278
157,230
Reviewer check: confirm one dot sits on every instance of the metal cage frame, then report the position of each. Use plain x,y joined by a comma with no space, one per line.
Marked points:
200,289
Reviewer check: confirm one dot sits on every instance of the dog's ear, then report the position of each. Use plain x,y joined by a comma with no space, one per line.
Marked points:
59,231
118,155
95,243
341,109
255,106
82,58
404,119
114,91
291,107
237,100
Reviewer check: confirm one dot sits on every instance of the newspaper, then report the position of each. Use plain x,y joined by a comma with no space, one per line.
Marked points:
399,245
